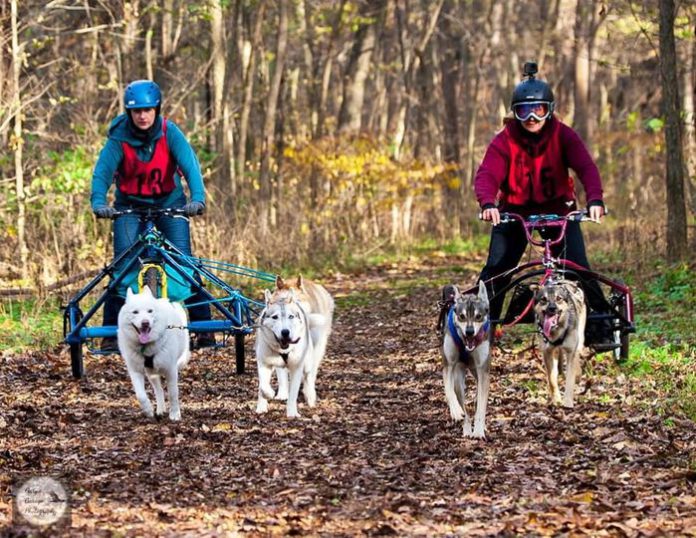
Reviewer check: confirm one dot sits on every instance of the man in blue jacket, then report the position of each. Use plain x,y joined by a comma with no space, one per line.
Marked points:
146,156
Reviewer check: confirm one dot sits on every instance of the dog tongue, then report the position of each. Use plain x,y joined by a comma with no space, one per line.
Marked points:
549,324
144,335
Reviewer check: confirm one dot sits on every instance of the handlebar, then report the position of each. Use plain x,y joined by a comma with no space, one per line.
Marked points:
549,220
148,213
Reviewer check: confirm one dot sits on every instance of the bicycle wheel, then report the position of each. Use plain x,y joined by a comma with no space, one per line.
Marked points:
151,280
239,351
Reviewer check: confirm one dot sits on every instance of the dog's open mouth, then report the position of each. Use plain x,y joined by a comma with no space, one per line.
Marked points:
549,324
285,343
143,333
471,343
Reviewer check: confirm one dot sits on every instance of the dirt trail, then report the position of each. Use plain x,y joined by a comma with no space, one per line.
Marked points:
378,456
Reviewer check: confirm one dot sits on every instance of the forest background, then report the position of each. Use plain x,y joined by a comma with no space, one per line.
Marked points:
331,129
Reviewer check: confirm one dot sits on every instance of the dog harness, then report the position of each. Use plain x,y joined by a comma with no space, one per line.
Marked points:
459,342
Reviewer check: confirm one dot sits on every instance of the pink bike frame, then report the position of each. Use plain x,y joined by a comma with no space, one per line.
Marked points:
550,263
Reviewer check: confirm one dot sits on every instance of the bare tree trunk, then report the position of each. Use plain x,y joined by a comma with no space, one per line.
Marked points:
18,143
167,28
581,117
450,77
268,140
350,116
152,21
4,108
410,63
217,74
690,121
249,75
548,25
130,63
676,208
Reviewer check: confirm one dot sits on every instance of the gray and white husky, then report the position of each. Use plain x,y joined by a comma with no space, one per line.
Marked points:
561,314
154,341
466,347
285,342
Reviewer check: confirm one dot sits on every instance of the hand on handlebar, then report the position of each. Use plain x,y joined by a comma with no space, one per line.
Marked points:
194,208
596,213
104,212
491,214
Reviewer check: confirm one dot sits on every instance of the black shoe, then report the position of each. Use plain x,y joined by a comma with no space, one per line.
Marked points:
109,345
600,336
204,340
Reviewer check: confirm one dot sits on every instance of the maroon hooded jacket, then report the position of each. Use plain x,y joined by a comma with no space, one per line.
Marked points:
527,173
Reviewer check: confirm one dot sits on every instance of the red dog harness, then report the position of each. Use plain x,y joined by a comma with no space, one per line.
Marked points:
153,178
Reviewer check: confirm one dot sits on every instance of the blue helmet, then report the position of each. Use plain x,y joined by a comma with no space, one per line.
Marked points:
142,94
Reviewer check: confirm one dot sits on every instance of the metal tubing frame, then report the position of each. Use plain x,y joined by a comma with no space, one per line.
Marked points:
152,240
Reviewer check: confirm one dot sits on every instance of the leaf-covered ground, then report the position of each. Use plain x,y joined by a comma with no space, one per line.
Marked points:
377,456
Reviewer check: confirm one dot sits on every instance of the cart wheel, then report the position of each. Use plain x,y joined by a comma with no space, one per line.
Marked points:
239,351
621,336
151,280
76,363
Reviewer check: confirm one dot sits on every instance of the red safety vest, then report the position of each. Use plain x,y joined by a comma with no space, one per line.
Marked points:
537,176
153,178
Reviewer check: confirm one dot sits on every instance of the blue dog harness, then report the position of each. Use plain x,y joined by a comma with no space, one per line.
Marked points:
480,337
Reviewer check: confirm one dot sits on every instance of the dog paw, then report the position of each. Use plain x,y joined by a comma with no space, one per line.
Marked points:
568,404
478,433
294,414
281,395
268,392
175,417
456,414
262,406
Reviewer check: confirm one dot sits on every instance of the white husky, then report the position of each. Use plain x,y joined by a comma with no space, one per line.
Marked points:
293,332
154,341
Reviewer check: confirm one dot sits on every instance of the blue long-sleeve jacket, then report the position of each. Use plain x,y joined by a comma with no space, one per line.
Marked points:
112,154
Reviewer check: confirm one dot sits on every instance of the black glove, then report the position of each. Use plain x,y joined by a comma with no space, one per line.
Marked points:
104,212
194,208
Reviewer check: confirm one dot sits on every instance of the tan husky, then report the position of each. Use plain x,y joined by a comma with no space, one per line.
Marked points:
561,314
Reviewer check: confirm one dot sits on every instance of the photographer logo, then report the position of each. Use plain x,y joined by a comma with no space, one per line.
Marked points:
41,501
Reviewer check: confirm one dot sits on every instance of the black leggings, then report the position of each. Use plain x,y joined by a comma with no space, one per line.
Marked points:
508,244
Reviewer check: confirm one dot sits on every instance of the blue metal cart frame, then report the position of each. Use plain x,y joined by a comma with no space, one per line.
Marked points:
237,312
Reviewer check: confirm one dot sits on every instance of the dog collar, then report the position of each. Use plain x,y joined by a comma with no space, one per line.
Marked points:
459,342
149,361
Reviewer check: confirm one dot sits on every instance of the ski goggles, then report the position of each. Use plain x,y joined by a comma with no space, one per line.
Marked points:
539,110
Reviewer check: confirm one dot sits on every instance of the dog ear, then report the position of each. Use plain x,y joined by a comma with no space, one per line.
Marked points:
267,295
280,283
129,293
146,290
483,292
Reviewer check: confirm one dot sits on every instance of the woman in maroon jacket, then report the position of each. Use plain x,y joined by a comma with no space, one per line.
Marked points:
525,171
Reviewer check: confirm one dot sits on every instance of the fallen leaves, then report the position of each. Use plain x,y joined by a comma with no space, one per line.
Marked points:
377,456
